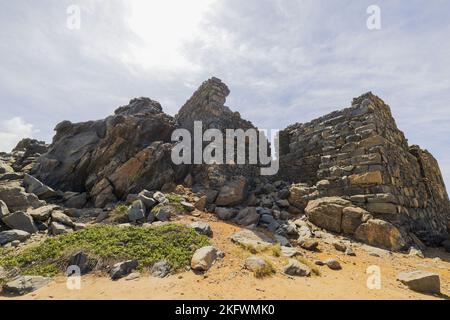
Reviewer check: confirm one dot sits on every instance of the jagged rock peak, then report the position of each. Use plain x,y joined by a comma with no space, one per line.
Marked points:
142,105
207,105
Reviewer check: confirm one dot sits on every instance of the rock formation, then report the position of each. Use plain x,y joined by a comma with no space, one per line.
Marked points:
355,163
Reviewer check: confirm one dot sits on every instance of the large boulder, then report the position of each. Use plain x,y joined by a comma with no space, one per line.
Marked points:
421,281
111,158
20,221
380,233
327,212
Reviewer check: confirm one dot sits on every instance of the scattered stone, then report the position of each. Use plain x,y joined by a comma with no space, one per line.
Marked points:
160,269
339,246
414,252
83,261
204,258
123,269
380,233
132,276
327,212
136,211
58,216
309,244
13,235
202,228
25,284
160,197
283,241
164,213
247,217
252,239
225,213
57,228
255,263
42,213
187,206
201,203
4,211
295,268
349,252
149,203
77,201
421,281
36,187
333,264
232,193
17,199
21,221
289,252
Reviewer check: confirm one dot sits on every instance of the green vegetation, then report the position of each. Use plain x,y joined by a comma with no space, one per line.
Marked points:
266,270
173,243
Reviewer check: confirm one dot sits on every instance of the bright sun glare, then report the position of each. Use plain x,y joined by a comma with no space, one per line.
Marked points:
163,26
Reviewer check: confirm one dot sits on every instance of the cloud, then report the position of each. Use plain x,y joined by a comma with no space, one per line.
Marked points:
12,131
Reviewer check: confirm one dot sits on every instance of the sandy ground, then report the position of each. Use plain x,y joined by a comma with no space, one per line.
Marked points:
228,280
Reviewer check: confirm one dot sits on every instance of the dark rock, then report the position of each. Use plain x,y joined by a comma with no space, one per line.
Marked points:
123,269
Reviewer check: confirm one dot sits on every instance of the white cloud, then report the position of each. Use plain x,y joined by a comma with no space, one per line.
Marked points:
12,131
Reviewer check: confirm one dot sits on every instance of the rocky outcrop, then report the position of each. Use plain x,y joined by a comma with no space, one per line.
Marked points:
110,158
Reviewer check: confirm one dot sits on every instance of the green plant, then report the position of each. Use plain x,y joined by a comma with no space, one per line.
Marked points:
173,243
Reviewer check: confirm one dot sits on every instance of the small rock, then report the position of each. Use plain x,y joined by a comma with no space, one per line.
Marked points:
25,284
149,203
160,197
421,281
160,269
42,213
203,258
21,221
187,206
202,228
413,252
254,263
58,216
333,264
123,269
295,268
82,261
133,276
339,246
247,217
201,203
283,241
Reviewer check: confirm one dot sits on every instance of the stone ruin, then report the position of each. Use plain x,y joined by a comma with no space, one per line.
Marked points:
357,154
360,154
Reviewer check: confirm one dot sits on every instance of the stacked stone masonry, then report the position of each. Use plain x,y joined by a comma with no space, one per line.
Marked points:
359,153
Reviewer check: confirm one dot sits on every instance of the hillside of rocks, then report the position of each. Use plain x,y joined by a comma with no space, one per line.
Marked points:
350,175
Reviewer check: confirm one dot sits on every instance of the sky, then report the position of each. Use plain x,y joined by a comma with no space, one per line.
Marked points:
285,61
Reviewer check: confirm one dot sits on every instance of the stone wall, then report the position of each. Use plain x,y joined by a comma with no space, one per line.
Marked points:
360,154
